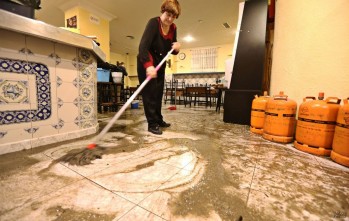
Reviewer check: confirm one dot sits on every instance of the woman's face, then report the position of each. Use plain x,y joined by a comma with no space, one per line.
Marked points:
167,18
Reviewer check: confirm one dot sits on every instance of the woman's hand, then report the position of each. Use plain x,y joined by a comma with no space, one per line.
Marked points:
176,46
151,72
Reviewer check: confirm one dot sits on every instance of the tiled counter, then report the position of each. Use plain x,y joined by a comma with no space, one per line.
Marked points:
47,84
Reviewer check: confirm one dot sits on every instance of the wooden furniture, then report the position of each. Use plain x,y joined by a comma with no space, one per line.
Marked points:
110,95
219,95
174,90
194,93
168,92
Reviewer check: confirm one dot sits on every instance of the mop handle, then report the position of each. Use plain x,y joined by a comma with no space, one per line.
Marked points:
128,102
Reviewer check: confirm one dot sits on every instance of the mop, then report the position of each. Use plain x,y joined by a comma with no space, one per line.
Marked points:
93,151
123,108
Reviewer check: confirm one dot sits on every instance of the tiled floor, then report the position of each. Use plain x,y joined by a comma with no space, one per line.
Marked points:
200,169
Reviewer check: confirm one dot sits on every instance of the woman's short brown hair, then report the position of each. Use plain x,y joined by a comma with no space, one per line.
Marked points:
171,6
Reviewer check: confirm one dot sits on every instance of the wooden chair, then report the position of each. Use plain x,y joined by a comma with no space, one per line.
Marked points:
179,91
194,93
169,92
107,96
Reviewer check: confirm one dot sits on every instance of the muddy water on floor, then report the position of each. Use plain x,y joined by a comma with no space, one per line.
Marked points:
62,214
200,200
209,193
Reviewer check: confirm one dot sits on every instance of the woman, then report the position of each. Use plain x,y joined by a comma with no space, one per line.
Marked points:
159,37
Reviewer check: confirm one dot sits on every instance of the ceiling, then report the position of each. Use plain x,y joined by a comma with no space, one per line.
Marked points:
203,19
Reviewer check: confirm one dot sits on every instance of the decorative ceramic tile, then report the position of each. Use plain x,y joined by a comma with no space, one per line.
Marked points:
55,57
15,91
87,73
77,64
47,130
87,111
41,73
40,48
10,134
68,112
198,79
12,55
68,127
86,92
11,42
85,56
45,60
54,97
67,92
65,53
59,81
84,124
66,71
36,142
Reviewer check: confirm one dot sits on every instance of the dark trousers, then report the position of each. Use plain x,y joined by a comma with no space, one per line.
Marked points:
152,97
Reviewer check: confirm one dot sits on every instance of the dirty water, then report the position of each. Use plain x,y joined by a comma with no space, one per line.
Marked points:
200,169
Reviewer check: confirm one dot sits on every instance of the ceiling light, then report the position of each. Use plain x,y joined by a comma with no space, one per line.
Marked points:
188,38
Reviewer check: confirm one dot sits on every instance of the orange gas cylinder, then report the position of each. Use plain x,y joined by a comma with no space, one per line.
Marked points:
280,119
257,113
340,145
315,125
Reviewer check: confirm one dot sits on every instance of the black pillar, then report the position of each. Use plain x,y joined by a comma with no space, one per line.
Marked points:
247,77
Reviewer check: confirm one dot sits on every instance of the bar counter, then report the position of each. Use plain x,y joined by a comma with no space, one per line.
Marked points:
48,80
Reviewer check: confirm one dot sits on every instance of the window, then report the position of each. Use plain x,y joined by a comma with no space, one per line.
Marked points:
204,59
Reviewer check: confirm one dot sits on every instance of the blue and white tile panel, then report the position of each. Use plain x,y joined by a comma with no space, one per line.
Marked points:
14,92
47,92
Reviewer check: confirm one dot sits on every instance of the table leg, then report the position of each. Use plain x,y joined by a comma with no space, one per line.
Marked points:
219,97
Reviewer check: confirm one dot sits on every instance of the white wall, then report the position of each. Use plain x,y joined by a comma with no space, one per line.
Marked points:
311,48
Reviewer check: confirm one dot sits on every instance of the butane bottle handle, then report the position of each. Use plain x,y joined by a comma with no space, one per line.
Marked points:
330,100
309,97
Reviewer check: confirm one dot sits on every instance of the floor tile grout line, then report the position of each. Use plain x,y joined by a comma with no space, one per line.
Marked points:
134,156
320,165
111,191
52,192
158,189
94,182
253,175
140,207
135,204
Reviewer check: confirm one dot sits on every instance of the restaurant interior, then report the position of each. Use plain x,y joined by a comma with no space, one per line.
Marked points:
259,123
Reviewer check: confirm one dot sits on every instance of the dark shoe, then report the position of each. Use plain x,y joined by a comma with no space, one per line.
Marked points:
164,124
155,130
